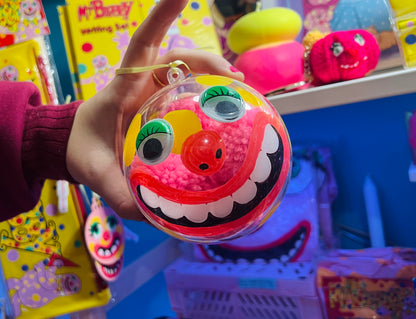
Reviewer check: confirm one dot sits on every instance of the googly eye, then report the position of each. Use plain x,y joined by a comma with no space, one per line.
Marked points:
222,104
359,39
154,142
337,48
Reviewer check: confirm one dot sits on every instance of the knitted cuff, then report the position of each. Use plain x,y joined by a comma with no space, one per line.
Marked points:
45,139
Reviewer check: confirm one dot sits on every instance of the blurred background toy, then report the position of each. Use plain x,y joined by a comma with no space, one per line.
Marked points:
339,56
304,215
105,239
268,54
342,15
207,159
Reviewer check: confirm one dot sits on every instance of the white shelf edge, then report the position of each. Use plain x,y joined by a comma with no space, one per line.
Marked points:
375,86
412,172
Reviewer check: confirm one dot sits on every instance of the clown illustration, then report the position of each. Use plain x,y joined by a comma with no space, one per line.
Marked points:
104,236
208,159
9,73
41,285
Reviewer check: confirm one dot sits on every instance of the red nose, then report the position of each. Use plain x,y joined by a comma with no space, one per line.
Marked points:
106,235
203,153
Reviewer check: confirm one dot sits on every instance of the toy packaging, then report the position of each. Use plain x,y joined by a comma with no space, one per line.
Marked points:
28,61
404,23
45,263
368,283
193,29
96,35
21,20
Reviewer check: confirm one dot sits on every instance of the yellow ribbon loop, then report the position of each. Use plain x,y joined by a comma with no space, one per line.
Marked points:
172,65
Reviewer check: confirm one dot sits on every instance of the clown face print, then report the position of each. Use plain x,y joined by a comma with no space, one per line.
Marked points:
30,9
104,236
9,73
100,63
207,159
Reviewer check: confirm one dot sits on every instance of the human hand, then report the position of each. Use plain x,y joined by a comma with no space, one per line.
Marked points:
95,146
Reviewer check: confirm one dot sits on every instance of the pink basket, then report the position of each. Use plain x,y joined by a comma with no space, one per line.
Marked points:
199,290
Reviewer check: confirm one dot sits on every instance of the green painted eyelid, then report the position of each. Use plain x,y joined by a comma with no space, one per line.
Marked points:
112,221
216,91
152,127
94,228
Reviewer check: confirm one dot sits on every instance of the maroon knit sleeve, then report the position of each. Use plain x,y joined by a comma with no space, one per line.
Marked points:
33,142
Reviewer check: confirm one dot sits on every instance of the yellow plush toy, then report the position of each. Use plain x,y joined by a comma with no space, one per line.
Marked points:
269,56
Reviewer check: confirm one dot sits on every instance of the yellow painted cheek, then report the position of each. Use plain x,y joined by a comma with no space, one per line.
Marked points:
184,123
249,98
130,142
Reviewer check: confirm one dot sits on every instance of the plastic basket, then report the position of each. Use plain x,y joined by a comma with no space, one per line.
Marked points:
200,290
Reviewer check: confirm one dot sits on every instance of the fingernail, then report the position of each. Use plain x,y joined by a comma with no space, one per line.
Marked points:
234,69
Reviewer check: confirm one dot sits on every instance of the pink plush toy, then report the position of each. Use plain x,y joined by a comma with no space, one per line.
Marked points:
340,56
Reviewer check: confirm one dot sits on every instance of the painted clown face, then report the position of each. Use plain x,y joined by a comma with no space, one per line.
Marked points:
104,236
70,284
207,159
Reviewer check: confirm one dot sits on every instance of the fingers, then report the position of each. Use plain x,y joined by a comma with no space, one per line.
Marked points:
146,40
199,62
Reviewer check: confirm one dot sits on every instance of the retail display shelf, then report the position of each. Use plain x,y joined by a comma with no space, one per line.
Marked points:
375,86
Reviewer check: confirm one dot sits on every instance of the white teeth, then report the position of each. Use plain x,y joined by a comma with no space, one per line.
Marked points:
262,169
150,198
298,243
270,141
170,209
195,213
292,252
284,258
113,248
246,193
199,213
107,252
222,207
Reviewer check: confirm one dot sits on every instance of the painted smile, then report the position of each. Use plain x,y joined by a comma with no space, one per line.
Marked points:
231,202
285,249
111,250
110,271
354,65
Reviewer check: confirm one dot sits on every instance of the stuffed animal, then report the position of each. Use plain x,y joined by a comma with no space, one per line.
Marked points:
268,54
339,56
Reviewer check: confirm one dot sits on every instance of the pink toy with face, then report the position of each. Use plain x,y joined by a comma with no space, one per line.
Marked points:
343,55
104,236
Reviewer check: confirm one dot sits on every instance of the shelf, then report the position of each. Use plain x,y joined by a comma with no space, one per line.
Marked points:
375,86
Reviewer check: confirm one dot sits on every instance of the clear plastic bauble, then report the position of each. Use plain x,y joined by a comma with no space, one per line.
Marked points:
207,159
